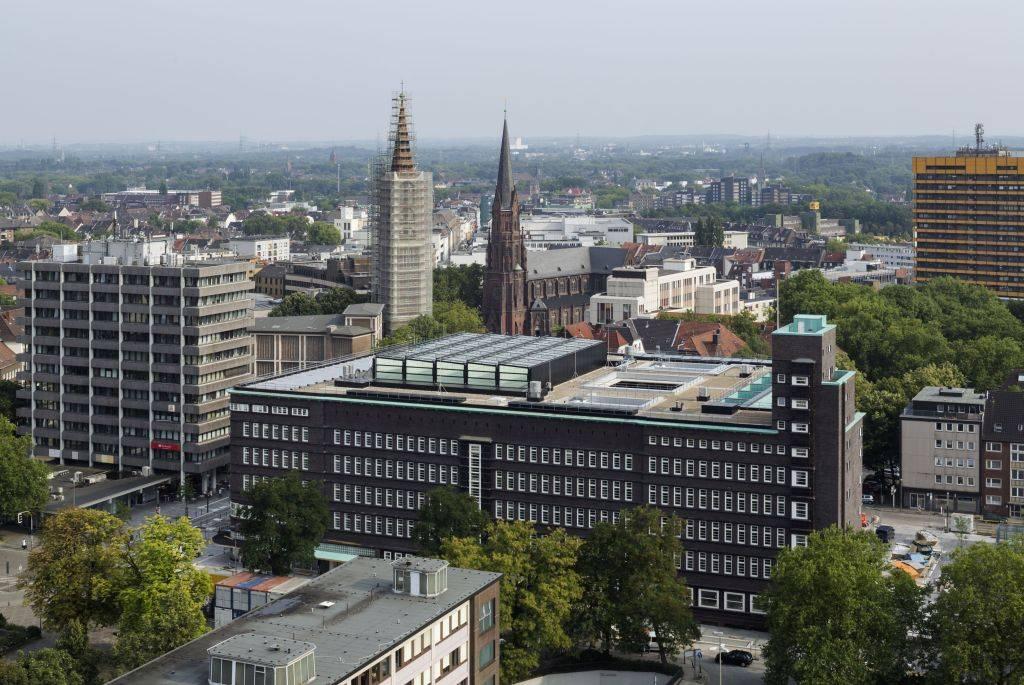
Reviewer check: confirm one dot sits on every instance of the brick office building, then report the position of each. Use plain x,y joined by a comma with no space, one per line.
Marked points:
753,456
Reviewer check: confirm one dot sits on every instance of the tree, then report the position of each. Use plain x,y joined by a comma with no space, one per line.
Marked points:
163,187
631,586
283,524
73,574
296,304
836,616
38,188
39,204
337,300
978,615
24,484
42,667
94,204
263,224
447,513
56,229
538,588
323,233
448,317
74,640
463,283
163,593
709,232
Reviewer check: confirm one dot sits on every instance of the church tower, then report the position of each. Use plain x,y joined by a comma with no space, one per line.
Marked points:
505,276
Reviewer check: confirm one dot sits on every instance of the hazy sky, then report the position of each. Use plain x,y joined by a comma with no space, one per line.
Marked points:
138,70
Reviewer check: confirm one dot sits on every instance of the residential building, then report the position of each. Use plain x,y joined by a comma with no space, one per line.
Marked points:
733,239
969,220
729,189
144,197
129,354
263,248
401,217
366,622
311,277
940,448
679,285
286,343
539,429
1002,456
891,255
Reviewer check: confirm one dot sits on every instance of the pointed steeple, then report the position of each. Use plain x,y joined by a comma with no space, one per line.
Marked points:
503,191
401,156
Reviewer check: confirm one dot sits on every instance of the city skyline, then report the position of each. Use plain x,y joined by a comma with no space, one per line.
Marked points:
565,69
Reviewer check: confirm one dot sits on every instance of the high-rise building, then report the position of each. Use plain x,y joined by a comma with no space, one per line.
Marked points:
129,353
402,221
969,218
505,276
753,456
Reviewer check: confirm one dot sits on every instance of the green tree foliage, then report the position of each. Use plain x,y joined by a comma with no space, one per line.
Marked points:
333,301
463,283
39,188
836,616
708,232
945,332
283,524
23,480
162,593
978,615
268,224
39,204
538,588
41,667
52,229
74,640
94,204
448,317
323,233
163,187
630,583
296,304
72,575
447,513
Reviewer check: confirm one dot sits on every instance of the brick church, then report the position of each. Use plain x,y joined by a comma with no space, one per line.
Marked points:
550,289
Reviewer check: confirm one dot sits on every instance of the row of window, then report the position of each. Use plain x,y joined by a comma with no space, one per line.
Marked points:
263,409
274,431
734,533
959,427
379,497
754,473
558,456
954,480
283,459
949,444
369,467
718,445
563,485
730,601
374,525
728,565
958,462
390,441
1016,449
723,500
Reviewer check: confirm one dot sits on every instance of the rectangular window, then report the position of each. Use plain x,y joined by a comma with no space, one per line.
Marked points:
707,599
735,601
486,655
800,511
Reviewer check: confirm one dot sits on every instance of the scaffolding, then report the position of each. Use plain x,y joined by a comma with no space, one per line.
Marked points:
401,220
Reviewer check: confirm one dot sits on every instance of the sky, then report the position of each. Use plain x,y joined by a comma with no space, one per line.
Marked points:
325,70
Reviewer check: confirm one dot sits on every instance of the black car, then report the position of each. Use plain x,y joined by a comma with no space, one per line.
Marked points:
735,657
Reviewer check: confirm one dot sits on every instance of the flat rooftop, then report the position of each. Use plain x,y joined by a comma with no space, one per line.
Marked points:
349,613
679,388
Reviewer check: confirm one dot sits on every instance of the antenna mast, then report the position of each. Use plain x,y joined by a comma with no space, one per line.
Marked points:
979,136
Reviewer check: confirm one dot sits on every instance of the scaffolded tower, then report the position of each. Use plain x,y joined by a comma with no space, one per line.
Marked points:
401,218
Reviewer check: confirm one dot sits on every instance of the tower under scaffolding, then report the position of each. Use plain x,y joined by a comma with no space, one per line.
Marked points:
401,220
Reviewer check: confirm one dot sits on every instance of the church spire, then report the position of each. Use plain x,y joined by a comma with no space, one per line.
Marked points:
503,191
401,156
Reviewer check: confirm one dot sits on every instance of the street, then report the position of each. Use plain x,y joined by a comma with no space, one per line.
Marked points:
728,639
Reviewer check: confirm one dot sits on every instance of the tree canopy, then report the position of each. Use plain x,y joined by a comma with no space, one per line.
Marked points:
271,225
447,513
901,338
24,484
41,667
630,584
708,232
447,318
323,233
978,615
333,301
836,616
463,283
282,524
538,588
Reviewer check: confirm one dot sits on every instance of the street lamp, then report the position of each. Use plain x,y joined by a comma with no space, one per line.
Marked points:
721,661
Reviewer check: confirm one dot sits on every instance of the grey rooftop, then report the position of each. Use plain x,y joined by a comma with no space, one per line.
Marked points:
264,650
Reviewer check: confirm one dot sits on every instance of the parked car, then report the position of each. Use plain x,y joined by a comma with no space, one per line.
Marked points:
735,657
867,499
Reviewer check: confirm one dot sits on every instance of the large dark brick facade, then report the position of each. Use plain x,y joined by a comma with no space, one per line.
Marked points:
745,488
